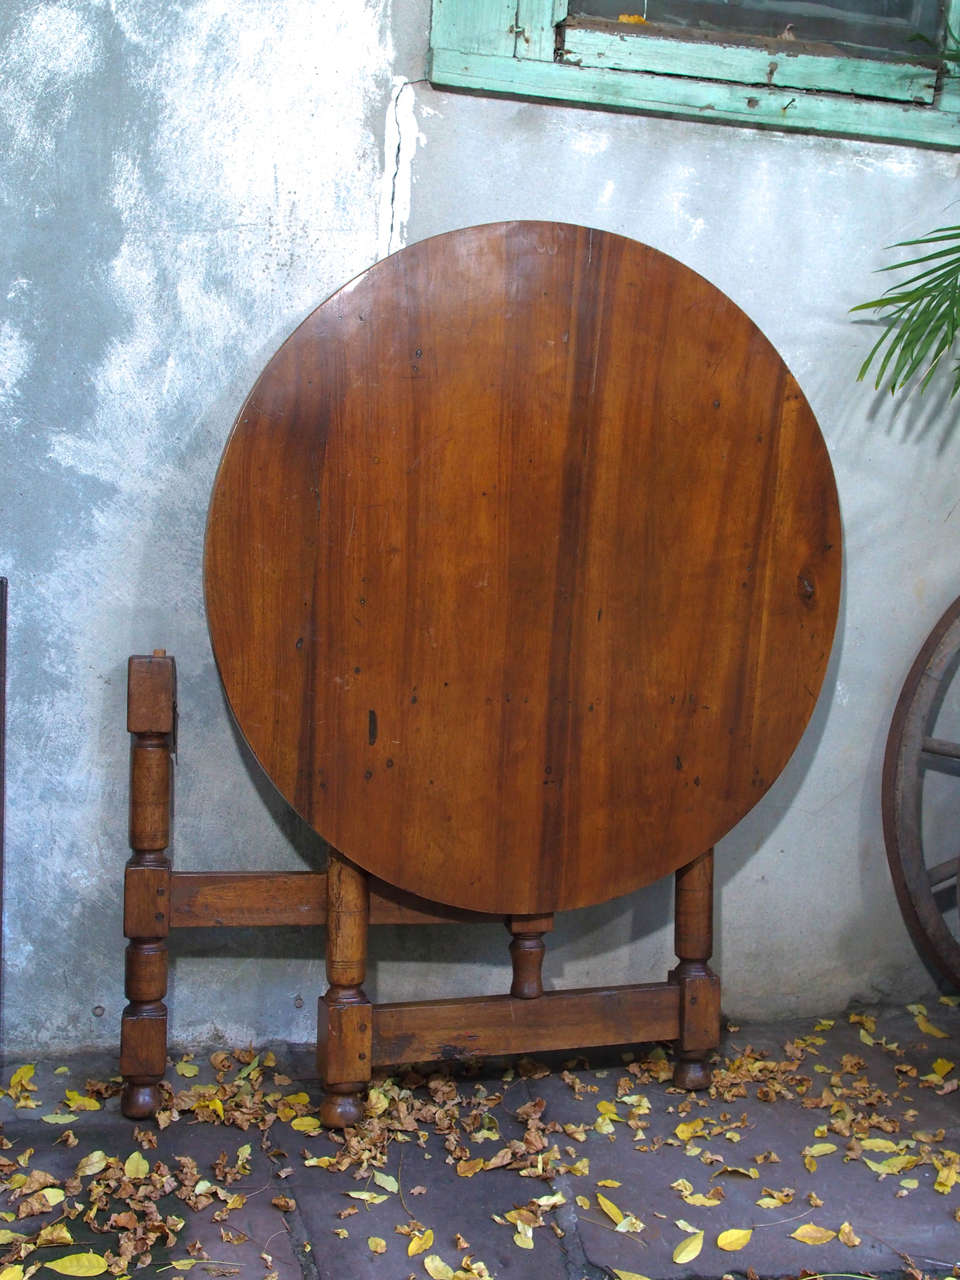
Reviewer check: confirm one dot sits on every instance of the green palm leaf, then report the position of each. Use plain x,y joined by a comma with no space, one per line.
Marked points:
920,315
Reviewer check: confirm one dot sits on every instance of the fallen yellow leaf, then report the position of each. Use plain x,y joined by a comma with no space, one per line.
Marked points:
376,1244
420,1242
135,1166
56,1233
609,1208
734,1168
377,1102
608,1182
306,1124
79,1264
436,1268
523,1239
688,1249
621,1275
629,1223
467,1168
927,1027
734,1239
384,1180
91,1164
686,1130
187,1069
943,1066
894,1164
810,1233
80,1101
848,1236
21,1079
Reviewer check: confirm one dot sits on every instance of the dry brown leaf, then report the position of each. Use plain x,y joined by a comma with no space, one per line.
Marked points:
848,1236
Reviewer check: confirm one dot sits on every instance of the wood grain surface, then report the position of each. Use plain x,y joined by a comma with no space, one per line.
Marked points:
522,567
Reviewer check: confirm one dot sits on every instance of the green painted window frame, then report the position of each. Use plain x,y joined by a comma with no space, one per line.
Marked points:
508,47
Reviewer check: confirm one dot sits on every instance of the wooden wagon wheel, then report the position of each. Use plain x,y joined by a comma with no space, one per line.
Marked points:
912,750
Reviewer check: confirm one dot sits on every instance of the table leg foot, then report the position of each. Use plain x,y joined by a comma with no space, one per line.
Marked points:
140,1101
691,1072
342,1106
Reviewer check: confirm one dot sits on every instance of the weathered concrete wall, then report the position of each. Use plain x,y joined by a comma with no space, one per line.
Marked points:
181,184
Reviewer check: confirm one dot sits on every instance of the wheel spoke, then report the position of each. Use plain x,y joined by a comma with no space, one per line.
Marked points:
941,755
942,873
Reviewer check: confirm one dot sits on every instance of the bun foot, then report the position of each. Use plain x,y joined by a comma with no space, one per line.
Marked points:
341,1110
140,1101
691,1073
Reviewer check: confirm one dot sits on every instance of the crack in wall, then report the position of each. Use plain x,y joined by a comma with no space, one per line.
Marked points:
400,142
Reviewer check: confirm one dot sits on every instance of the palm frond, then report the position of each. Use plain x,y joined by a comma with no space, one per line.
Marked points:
920,315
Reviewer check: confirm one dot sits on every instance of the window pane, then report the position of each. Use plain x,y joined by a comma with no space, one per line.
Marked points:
855,27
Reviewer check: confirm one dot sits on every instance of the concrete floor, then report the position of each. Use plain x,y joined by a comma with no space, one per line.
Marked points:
749,1139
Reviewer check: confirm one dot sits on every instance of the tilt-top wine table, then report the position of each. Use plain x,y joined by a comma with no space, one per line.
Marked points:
522,570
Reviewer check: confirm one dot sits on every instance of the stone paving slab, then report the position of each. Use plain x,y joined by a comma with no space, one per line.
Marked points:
640,1157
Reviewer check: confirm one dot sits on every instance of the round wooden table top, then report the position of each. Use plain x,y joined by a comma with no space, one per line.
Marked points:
522,567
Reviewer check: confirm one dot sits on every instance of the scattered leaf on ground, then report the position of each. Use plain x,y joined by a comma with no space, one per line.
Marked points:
79,1264
436,1268
734,1239
609,1208
135,1166
848,1236
688,1249
810,1233
420,1242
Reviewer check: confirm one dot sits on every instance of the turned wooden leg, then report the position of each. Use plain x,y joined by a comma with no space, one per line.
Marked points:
345,1015
526,954
699,986
151,711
